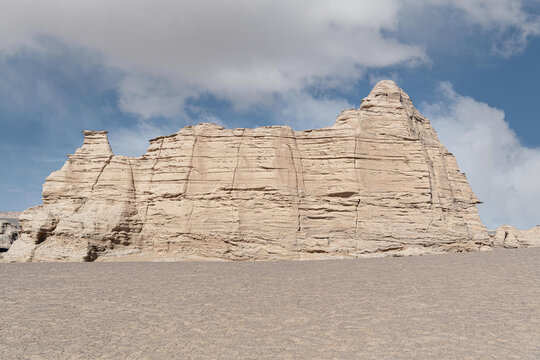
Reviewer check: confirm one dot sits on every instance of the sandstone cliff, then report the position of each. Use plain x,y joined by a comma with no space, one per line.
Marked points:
378,182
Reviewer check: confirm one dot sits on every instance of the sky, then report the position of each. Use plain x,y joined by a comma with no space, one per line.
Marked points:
141,69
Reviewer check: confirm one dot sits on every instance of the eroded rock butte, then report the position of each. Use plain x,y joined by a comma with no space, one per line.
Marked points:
376,183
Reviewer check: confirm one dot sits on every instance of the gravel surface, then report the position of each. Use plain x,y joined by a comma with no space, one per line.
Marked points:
459,306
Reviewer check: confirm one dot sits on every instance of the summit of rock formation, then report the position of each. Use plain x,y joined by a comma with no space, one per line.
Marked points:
376,183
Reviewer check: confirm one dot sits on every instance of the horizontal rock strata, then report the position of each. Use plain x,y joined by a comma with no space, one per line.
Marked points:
378,182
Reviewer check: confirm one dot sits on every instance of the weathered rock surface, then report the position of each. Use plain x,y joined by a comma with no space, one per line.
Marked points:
8,234
378,182
509,237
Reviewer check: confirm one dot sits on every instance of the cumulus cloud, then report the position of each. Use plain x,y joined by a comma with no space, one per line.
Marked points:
509,25
150,97
507,17
502,172
244,51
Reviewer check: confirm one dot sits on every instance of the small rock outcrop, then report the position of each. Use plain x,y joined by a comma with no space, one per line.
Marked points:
9,232
509,237
376,183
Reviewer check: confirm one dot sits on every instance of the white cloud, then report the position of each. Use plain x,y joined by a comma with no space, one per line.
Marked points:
511,26
149,97
244,51
503,173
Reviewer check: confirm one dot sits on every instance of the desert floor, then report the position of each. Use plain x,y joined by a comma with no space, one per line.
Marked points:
458,306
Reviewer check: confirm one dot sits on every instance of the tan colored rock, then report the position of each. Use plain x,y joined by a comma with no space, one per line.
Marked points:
376,183
8,234
509,237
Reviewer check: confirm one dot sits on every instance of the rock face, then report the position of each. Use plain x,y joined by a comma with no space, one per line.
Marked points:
8,234
510,237
378,182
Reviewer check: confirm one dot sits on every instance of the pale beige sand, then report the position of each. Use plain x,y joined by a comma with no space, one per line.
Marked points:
461,306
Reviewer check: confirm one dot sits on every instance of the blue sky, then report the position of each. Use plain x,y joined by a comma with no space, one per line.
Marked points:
148,68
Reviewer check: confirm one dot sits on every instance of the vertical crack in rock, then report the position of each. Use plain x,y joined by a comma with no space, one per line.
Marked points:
443,151
237,161
300,159
294,167
189,219
431,173
300,194
298,197
429,161
151,179
186,184
155,164
235,206
355,157
429,225
356,227
132,179
413,132
107,162
184,191
454,205
357,208
150,184
78,208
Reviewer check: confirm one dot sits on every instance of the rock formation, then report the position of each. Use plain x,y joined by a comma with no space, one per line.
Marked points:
378,182
8,234
511,238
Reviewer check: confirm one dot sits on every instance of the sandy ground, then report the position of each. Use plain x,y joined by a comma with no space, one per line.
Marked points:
460,306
